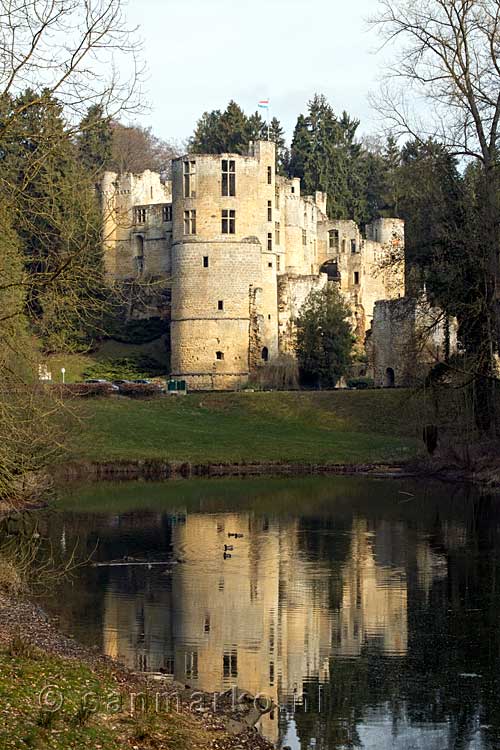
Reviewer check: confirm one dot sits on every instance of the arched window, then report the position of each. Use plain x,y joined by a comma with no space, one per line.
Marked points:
265,354
139,253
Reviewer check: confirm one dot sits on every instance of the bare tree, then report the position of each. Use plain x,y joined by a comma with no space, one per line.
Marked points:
445,83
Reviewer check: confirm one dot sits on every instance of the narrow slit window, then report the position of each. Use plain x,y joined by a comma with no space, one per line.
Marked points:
356,277
205,261
277,232
304,237
228,177
269,241
269,175
228,221
269,211
220,304
277,197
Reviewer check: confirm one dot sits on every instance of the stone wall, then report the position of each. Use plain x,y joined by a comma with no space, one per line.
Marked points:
235,296
407,338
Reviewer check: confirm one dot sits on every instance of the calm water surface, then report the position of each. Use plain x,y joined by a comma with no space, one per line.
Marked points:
368,610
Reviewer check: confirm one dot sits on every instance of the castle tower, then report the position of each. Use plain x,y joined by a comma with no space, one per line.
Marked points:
225,245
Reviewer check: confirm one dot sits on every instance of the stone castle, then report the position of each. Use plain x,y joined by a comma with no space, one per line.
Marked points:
231,251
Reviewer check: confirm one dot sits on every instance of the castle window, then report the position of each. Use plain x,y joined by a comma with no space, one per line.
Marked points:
139,254
166,213
189,179
304,237
228,177
344,245
293,190
228,221
353,246
141,214
230,664
333,239
191,664
205,261
269,175
220,304
270,264
356,277
206,626
269,240
190,222
151,192
278,262
277,197
265,354
277,232
219,355
269,211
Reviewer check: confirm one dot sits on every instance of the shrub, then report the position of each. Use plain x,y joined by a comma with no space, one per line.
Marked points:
11,580
280,374
361,383
140,390
85,390
127,368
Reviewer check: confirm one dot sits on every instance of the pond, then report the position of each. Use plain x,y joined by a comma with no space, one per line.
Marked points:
368,610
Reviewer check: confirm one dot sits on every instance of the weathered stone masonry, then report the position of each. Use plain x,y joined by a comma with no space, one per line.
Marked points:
240,249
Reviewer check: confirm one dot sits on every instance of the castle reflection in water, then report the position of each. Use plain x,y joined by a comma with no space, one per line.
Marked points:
270,617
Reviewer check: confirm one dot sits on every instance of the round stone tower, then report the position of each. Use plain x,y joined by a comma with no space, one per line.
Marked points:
225,247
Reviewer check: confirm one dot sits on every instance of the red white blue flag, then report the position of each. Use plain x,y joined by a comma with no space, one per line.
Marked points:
264,104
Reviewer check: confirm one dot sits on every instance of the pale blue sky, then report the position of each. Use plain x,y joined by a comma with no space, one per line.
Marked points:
202,53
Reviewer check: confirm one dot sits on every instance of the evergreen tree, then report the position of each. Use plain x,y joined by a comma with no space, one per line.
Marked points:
231,131
324,338
58,221
326,156
95,140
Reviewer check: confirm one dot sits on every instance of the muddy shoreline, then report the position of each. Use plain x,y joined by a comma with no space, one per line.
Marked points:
485,477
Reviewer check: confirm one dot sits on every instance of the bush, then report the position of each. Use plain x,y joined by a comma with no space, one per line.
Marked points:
83,390
141,331
127,368
11,580
280,374
140,390
361,383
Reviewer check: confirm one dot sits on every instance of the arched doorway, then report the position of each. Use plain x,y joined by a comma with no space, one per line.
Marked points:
265,354
390,378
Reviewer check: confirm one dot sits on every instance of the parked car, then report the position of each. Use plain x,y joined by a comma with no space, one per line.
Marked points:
142,381
121,382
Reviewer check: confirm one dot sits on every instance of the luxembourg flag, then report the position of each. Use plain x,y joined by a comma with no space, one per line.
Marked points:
264,104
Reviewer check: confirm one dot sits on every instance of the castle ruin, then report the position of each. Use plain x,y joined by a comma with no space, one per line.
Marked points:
232,250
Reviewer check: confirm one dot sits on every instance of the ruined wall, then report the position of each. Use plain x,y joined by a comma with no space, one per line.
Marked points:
408,337
236,294
293,291
224,314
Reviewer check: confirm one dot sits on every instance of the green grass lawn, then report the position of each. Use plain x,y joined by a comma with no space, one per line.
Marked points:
335,427
50,702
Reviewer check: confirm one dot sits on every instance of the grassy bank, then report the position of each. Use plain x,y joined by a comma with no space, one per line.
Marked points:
56,694
344,427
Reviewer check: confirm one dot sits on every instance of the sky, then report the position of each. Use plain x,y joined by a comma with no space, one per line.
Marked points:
202,53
